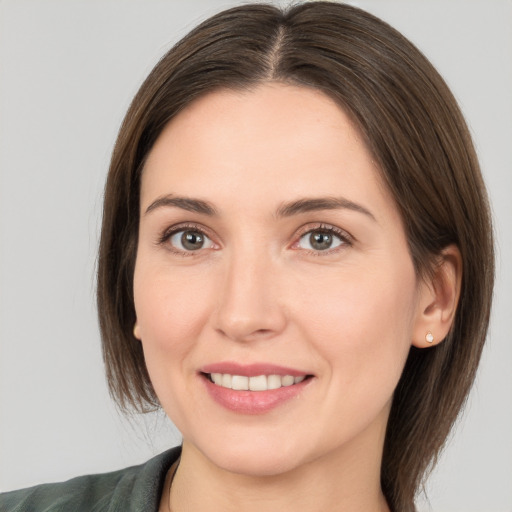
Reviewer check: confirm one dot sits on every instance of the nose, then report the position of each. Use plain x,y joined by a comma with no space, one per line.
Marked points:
250,302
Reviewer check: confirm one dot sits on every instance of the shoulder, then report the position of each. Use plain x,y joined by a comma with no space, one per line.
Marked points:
134,488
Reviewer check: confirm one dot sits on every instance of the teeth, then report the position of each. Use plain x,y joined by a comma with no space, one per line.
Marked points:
258,383
226,380
273,382
287,380
239,382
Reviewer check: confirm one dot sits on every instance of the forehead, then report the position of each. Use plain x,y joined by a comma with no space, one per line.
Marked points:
273,106
250,141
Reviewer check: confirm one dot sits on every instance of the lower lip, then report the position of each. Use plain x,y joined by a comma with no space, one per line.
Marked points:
253,402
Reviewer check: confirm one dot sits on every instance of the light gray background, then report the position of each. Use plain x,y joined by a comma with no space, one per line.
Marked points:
68,70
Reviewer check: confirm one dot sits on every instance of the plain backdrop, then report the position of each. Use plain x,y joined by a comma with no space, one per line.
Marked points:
68,70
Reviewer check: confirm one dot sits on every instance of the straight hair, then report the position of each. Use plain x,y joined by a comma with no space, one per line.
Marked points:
417,135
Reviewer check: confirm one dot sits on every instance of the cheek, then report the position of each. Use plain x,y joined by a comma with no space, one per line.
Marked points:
171,308
362,325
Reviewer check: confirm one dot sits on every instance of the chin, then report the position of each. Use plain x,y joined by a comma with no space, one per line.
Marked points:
261,465
261,457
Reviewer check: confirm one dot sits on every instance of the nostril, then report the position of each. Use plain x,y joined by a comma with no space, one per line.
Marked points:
239,333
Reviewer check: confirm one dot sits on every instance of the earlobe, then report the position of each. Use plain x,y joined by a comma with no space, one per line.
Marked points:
136,331
438,299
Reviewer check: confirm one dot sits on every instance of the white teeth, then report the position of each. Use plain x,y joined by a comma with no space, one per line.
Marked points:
226,380
273,382
287,380
258,383
239,382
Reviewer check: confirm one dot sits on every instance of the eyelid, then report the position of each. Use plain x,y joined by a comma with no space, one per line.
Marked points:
167,233
343,235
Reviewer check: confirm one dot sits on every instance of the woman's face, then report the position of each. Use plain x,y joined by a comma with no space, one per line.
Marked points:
270,252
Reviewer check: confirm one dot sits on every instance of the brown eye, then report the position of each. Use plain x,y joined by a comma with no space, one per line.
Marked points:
190,240
320,240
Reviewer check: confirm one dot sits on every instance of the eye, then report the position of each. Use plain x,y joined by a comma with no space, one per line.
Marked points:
321,239
189,240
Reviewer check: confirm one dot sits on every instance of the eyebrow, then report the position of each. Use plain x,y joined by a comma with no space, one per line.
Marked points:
185,203
321,203
289,209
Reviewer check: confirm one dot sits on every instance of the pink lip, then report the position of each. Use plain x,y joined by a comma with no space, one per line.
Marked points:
251,370
252,402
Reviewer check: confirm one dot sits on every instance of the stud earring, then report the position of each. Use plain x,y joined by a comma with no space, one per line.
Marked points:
136,333
429,337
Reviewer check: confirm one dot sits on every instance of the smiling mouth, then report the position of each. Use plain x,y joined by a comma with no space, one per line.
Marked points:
256,383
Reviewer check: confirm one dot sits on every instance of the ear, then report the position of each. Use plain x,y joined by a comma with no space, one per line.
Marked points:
438,298
136,331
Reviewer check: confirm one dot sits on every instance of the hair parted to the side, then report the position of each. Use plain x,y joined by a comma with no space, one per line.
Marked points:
418,137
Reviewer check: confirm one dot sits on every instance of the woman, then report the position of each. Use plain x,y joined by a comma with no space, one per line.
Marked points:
296,264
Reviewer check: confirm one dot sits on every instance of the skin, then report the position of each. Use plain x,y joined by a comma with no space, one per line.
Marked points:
257,291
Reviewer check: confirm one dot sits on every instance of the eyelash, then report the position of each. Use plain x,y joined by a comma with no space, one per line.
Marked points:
168,233
346,239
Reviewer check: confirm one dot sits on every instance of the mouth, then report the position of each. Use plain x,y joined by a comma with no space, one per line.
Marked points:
254,383
255,388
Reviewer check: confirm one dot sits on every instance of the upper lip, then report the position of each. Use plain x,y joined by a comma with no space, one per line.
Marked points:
251,370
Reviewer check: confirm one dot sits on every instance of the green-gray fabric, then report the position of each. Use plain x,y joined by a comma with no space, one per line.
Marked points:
134,489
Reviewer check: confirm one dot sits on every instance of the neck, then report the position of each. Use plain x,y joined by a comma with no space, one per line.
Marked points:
347,479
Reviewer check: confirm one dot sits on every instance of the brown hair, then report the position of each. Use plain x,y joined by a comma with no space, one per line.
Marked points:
417,134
